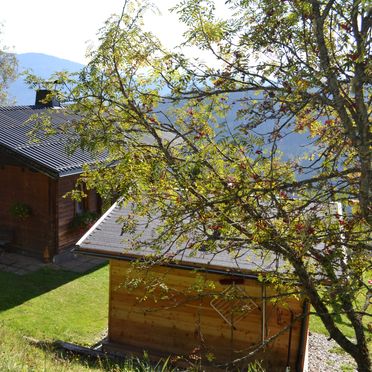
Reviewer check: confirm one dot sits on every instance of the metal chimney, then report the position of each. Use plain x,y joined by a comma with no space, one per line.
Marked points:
44,99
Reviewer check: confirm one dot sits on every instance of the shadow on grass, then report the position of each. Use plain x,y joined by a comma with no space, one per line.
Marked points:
17,289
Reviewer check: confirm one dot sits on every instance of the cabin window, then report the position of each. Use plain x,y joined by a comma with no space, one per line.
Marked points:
81,206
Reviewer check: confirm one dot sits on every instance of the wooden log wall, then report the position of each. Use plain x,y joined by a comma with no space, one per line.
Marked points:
66,212
35,234
47,231
183,323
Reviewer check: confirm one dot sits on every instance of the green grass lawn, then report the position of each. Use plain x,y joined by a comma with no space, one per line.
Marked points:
18,354
51,305
54,304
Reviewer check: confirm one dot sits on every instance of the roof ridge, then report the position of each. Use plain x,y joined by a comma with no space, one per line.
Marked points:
28,107
17,107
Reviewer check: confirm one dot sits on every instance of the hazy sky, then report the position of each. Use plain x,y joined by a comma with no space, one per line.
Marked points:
65,28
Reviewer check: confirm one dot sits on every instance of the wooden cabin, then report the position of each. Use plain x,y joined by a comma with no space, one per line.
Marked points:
35,218
210,310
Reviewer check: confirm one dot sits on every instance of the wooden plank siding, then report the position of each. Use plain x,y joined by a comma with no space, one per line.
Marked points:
66,211
185,323
47,231
34,235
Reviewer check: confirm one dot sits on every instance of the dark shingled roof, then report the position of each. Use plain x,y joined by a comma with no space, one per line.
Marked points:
48,155
105,239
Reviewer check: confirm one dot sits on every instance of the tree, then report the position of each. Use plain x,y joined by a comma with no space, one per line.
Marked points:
204,146
8,67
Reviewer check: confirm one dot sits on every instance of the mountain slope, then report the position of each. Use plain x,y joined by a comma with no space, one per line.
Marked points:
41,65
292,145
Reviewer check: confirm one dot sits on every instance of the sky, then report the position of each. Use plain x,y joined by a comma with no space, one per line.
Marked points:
66,28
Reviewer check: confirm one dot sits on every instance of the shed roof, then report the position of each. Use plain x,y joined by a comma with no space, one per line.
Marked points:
106,239
48,154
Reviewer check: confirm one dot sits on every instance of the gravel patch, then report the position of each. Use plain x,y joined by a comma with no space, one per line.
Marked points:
326,356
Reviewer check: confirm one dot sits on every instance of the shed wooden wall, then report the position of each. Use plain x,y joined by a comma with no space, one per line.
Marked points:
193,323
36,233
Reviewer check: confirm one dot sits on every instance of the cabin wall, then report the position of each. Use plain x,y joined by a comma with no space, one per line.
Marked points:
183,322
67,236
35,234
47,231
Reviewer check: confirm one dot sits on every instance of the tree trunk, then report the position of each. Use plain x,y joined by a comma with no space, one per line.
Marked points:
358,351
363,359
365,183
361,356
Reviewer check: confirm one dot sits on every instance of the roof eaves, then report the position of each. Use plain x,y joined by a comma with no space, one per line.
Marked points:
70,172
176,265
30,162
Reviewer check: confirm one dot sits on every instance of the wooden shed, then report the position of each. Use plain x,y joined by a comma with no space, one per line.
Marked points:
34,216
209,309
